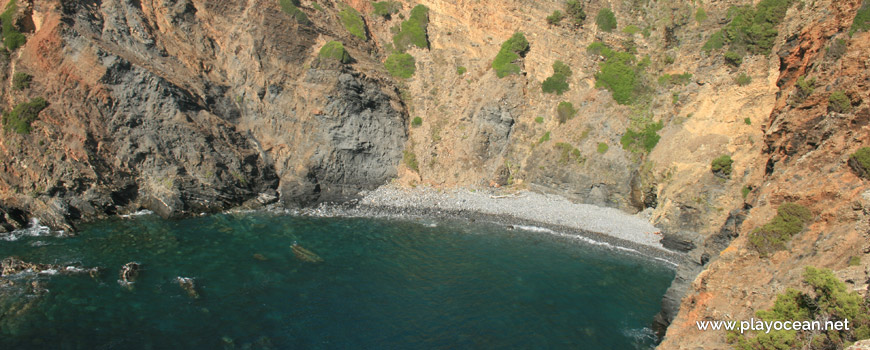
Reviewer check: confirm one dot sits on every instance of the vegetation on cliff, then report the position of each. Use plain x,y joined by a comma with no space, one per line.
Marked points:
353,22
401,65
606,20
386,8
750,30
789,220
568,153
641,139
511,51
839,102
861,22
20,117
565,111
860,162
575,12
12,38
721,166
413,30
558,82
827,300
291,7
619,73
21,81
335,50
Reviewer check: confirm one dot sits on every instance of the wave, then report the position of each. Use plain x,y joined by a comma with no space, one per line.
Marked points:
644,338
33,230
138,213
575,237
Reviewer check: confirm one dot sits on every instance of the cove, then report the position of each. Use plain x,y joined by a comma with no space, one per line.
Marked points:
381,284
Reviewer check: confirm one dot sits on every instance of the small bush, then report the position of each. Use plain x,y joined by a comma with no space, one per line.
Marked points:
21,81
606,20
461,70
20,117
558,82
544,138
789,220
644,140
603,147
539,120
569,153
700,15
410,160
733,58
413,31
575,12
861,22
416,122
12,38
805,88
386,8
860,162
745,191
511,51
721,166
631,29
620,75
716,41
555,18
743,79
675,79
855,261
335,50
747,121
353,22
401,65
839,102
289,7
565,111
598,48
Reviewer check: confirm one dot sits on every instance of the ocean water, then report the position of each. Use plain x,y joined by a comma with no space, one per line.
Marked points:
381,284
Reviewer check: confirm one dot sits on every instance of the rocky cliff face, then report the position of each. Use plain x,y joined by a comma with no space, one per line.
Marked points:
189,106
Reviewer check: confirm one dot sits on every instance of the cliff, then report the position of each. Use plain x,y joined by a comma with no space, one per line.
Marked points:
190,106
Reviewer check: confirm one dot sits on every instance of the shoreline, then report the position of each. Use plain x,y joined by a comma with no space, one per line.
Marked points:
524,210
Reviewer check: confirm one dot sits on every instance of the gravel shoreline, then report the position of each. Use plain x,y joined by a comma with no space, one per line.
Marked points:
522,210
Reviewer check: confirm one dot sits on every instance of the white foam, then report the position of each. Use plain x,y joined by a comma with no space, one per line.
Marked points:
138,213
34,230
534,228
50,272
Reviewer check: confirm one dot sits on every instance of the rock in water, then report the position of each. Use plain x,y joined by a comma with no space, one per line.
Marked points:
129,273
188,285
305,254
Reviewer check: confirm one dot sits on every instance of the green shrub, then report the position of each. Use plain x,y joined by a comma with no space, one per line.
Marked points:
410,160
461,70
827,299
558,82
722,166
646,32
839,102
747,121
700,15
20,117
743,79
574,10
855,261
416,122
544,138
565,111
733,58
745,191
603,147
401,65
335,50
805,88
861,22
12,38
631,29
675,79
789,220
569,153
511,51
618,73
353,22
539,120
555,18
716,41
413,30
860,162
291,8
598,48
21,81
606,20
386,8
643,140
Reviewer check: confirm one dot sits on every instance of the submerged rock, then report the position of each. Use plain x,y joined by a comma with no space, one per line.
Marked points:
188,285
305,254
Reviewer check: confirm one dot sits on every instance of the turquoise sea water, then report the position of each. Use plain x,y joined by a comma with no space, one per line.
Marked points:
382,284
